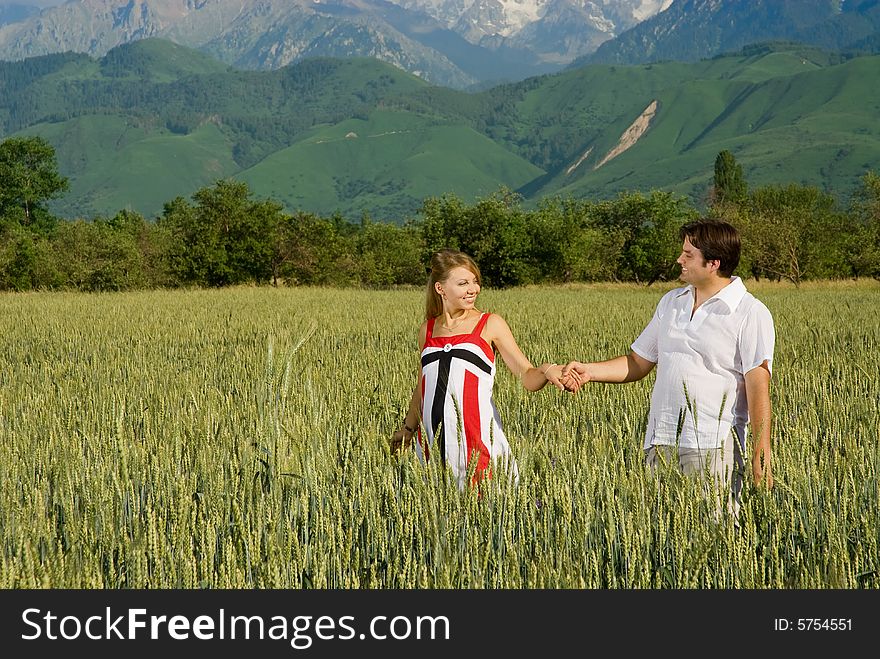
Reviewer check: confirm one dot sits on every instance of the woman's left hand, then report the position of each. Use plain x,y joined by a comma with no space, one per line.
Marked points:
400,440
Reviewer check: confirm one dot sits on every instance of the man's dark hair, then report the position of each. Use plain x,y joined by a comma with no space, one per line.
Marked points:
717,240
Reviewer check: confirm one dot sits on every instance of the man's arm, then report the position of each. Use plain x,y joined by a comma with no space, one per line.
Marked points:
626,368
760,420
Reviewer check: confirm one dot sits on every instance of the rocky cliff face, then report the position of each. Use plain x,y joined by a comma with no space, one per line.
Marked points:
556,30
695,29
439,40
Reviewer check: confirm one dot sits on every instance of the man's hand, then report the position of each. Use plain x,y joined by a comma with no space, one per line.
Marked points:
762,473
574,376
760,420
553,373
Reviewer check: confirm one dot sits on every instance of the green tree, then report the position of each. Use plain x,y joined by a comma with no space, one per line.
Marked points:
493,231
28,179
107,254
225,238
794,232
311,250
863,238
647,228
26,260
728,185
568,245
388,255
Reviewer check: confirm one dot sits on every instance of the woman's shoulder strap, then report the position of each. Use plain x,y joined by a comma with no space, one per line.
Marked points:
430,328
481,324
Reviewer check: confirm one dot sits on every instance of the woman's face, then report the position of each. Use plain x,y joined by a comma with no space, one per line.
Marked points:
459,290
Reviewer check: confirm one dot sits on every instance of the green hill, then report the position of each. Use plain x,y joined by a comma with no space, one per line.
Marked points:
115,164
385,165
808,125
148,122
157,60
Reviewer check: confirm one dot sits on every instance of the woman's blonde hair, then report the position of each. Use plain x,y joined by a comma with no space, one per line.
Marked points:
442,263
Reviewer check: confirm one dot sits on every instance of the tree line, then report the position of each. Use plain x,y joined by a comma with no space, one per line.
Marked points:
223,236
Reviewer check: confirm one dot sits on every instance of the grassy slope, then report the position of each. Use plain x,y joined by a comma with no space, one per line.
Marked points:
161,61
785,119
113,164
396,160
118,161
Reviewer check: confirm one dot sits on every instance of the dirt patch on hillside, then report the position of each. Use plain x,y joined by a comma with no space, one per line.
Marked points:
632,134
580,160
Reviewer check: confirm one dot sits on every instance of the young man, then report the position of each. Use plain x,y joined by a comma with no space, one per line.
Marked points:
712,343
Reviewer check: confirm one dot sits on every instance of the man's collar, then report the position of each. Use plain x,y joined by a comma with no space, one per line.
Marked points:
731,295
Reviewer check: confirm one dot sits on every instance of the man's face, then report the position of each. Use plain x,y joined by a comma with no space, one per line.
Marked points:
694,268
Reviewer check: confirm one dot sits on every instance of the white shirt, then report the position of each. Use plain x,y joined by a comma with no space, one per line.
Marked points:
700,394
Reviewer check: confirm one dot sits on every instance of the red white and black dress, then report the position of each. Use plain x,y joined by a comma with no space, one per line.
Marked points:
458,413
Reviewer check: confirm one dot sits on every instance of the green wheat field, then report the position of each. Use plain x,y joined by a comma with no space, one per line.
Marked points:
238,439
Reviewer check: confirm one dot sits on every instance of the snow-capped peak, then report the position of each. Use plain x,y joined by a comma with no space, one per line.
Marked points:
647,8
508,17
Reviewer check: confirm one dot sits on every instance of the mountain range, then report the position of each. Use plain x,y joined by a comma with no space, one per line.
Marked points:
151,120
455,43
690,30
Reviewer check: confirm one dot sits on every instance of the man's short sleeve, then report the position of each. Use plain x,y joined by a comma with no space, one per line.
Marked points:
646,345
757,339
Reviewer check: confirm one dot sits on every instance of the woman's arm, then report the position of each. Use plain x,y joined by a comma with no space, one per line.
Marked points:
403,437
533,379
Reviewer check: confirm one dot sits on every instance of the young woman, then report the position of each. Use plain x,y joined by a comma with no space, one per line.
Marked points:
453,396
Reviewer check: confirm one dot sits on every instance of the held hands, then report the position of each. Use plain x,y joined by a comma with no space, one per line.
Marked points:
564,378
574,375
